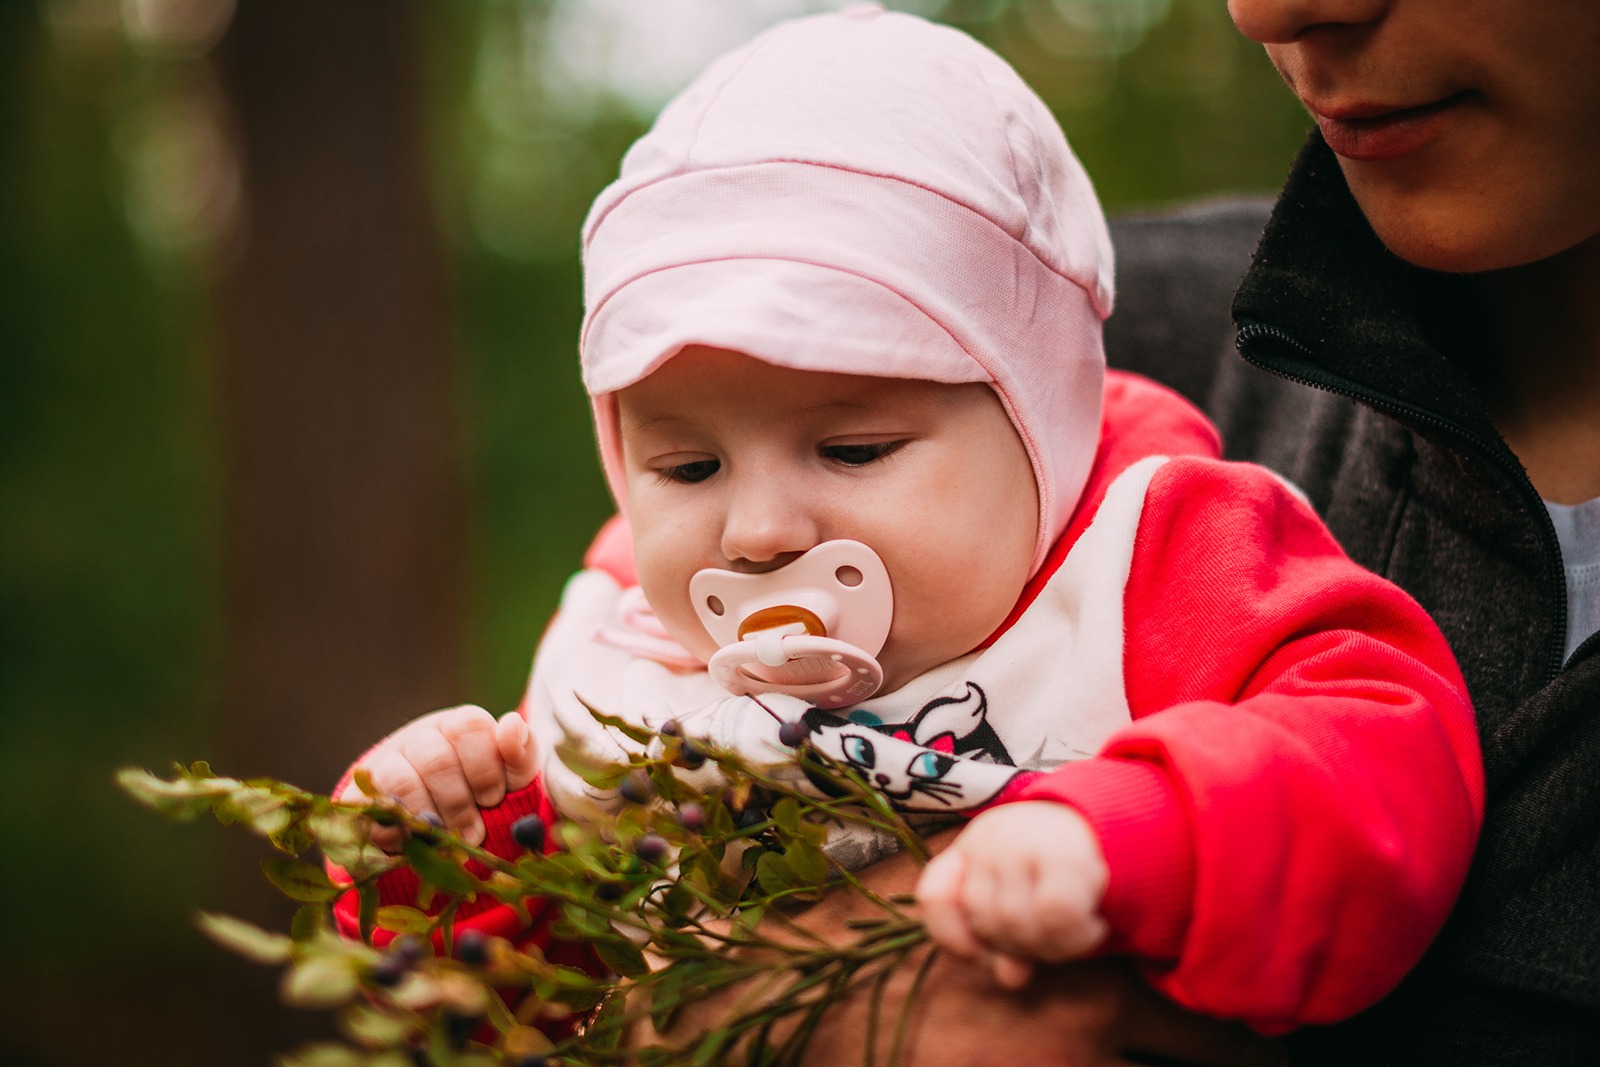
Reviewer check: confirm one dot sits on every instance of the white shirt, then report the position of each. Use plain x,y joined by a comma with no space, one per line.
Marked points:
1578,530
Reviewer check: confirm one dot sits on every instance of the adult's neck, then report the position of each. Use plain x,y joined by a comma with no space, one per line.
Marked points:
1546,400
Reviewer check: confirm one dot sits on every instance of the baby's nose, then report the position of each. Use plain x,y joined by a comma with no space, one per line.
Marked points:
768,523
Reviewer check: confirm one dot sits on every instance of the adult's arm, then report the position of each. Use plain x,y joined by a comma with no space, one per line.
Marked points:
1093,1014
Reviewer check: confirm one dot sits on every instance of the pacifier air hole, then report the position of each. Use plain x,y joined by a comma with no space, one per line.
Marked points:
850,577
714,605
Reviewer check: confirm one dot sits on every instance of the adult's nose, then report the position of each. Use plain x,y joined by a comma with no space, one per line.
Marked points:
1283,21
767,522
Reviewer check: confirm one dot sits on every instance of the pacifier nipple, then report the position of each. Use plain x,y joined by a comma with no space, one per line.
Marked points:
809,629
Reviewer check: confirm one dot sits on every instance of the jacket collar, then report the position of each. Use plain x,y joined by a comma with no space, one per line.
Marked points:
1326,303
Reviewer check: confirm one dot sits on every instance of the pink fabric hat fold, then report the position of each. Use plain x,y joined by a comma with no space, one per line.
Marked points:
862,193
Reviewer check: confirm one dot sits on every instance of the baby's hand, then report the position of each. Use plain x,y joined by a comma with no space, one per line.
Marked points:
451,762
1022,882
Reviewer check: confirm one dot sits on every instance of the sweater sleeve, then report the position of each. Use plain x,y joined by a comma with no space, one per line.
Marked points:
1291,813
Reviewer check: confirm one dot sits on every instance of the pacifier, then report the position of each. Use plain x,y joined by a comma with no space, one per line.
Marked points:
809,629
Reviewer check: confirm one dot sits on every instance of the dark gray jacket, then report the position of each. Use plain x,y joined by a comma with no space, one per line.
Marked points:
1393,446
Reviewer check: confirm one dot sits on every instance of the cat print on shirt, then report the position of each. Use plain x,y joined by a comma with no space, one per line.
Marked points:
946,758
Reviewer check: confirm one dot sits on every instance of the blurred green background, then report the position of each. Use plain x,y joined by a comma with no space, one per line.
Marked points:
292,444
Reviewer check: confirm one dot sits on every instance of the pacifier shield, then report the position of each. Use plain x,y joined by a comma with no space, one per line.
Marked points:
810,628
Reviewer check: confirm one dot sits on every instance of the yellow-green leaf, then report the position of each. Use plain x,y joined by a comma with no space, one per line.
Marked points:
245,939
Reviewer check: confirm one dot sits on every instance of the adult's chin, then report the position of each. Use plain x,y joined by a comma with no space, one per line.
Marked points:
1469,222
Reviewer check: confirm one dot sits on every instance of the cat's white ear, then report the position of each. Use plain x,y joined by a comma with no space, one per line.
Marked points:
958,716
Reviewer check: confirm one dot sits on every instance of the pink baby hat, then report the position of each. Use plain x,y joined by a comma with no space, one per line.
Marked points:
865,193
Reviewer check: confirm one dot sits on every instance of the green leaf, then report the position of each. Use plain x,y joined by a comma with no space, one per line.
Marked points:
748,919
773,874
180,798
786,814
637,734
439,870
323,1054
245,939
666,993
605,1030
308,922
320,982
261,808
299,880
343,837
400,919
294,838
601,774
362,778
807,862
373,1027
366,909
623,957
587,922
500,1016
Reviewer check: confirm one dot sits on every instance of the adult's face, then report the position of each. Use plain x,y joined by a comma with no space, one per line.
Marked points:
1468,130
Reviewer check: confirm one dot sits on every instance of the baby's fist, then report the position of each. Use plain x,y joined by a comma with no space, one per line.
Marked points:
1021,882
451,762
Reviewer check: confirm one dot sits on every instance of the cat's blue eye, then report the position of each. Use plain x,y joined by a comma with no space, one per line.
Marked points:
858,750
931,765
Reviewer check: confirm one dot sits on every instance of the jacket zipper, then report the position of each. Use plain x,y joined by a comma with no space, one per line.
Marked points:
1252,331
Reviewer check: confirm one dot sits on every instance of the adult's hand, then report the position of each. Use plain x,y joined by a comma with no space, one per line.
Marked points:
1091,1014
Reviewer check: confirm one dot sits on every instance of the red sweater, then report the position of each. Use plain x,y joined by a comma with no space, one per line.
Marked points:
1290,811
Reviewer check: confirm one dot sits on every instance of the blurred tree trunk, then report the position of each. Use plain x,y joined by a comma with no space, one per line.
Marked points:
344,531
343,537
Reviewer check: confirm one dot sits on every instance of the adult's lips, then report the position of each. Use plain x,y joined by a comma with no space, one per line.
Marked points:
1375,132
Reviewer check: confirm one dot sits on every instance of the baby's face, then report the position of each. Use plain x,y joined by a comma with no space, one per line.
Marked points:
738,464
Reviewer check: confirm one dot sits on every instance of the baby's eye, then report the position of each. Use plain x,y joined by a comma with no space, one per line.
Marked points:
857,455
696,470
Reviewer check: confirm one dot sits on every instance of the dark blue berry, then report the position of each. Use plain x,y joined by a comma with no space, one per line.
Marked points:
651,848
458,1028
692,817
794,733
409,948
388,972
690,756
528,832
472,948
609,892
671,728
751,816
434,824
636,788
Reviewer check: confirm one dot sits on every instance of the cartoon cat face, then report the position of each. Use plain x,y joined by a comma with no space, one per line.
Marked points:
945,759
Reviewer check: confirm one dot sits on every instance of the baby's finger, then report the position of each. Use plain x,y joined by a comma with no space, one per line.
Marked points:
393,776
515,741
435,762
939,893
1069,921
1009,972
990,895
470,731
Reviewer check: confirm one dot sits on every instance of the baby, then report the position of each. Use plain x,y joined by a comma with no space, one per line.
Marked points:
843,342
